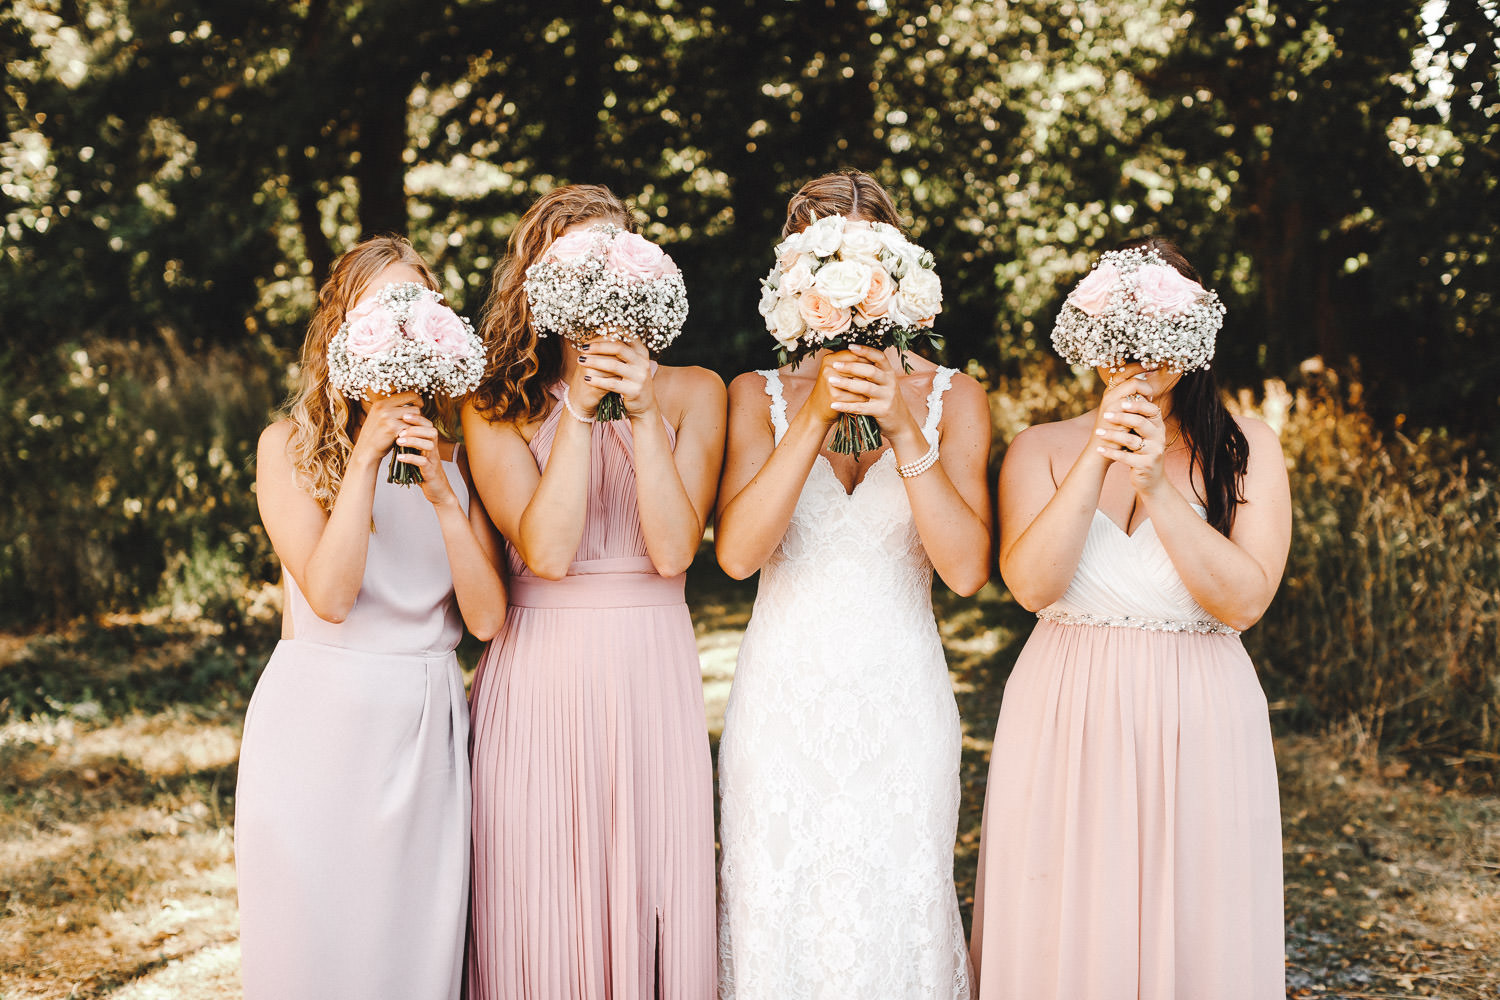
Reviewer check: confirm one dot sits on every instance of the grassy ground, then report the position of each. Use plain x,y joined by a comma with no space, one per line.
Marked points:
117,759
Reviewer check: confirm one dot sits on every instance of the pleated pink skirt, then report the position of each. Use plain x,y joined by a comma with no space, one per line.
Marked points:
593,797
1132,834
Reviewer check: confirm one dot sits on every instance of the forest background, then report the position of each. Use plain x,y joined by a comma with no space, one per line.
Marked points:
176,179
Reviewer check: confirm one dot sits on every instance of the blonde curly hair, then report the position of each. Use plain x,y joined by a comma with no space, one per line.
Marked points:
323,422
519,365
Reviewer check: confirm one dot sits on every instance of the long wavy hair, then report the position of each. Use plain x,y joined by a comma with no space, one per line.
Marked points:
520,365
1216,446
323,422
845,192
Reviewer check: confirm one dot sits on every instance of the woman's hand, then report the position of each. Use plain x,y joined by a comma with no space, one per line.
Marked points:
864,381
386,418
1130,431
421,434
622,366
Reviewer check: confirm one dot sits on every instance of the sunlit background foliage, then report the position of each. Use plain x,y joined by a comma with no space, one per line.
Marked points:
176,178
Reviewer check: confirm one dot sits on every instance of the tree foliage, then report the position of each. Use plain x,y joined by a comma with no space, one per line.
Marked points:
1330,166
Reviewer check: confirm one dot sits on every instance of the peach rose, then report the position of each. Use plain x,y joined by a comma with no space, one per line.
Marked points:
799,277
638,258
436,324
878,298
1093,292
372,329
823,316
1165,289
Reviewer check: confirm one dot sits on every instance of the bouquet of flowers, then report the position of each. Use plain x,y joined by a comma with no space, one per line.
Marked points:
405,340
843,281
605,282
1133,306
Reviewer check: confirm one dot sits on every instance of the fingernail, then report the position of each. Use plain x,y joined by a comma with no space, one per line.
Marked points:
1099,431
1109,415
588,378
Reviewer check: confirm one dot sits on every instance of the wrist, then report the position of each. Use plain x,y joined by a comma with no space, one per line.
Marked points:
362,462
907,441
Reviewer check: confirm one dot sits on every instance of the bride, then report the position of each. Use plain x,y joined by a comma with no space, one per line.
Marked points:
839,764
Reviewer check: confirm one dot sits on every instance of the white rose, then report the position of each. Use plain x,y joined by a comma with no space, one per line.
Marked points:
823,237
921,293
861,243
891,238
799,277
786,323
792,244
843,282
768,298
901,314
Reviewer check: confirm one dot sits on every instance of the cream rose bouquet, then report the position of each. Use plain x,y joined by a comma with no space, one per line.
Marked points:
405,340
1133,306
844,281
605,282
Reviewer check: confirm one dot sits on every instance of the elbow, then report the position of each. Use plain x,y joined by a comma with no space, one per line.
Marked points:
734,566
486,630
549,569
969,582
675,566
331,612
1033,599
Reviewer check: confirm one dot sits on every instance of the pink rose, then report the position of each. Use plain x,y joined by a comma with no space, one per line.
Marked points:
638,258
436,324
822,315
572,246
372,329
878,299
1165,289
1093,292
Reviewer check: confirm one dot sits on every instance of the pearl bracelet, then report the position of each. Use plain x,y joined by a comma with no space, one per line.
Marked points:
568,405
921,465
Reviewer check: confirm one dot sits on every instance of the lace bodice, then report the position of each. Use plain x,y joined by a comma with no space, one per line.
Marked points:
1129,581
859,547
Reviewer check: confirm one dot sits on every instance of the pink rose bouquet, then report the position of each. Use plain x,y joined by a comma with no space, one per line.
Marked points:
605,282
1133,306
844,281
405,340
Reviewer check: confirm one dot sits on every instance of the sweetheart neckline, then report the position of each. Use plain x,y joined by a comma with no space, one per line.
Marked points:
849,494
1098,512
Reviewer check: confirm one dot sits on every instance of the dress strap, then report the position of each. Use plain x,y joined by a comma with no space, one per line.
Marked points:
942,379
778,402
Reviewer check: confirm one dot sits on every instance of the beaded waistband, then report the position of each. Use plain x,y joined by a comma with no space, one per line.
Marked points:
1130,621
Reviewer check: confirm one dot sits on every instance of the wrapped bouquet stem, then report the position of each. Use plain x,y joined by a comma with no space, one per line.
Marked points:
845,281
405,339
603,282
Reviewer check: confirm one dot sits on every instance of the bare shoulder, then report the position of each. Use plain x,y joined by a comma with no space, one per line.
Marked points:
1054,435
749,386
966,388
274,442
965,401
1259,434
691,379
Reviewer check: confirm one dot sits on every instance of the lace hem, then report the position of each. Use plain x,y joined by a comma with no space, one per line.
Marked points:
1130,621
942,379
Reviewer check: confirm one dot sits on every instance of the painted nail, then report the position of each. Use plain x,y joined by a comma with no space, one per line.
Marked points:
588,378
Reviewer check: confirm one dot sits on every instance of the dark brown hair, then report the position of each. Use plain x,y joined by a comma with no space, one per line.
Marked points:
850,193
1216,446
519,365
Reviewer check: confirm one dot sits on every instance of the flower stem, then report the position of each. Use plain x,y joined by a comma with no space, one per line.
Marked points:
404,473
611,407
854,433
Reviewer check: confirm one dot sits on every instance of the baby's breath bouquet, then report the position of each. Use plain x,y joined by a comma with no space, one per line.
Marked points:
605,282
405,340
845,281
1133,306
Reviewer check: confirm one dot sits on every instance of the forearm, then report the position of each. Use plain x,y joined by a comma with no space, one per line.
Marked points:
752,523
551,526
477,585
1221,576
670,523
955,536
1039,564
335,569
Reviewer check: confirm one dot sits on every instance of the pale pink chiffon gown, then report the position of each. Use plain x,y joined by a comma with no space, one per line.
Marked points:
1132,838
593,794
352,808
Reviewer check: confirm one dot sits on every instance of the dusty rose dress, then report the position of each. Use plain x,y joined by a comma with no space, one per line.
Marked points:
1132,832
593,795
352,808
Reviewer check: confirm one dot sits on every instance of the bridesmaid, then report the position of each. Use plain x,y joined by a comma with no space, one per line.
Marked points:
352,818
593,809
1132,842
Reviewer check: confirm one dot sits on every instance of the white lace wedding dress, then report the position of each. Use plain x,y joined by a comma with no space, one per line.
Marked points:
839,764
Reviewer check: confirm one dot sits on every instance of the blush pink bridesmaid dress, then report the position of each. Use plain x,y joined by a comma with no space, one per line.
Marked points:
352,807
593,794
1132,831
